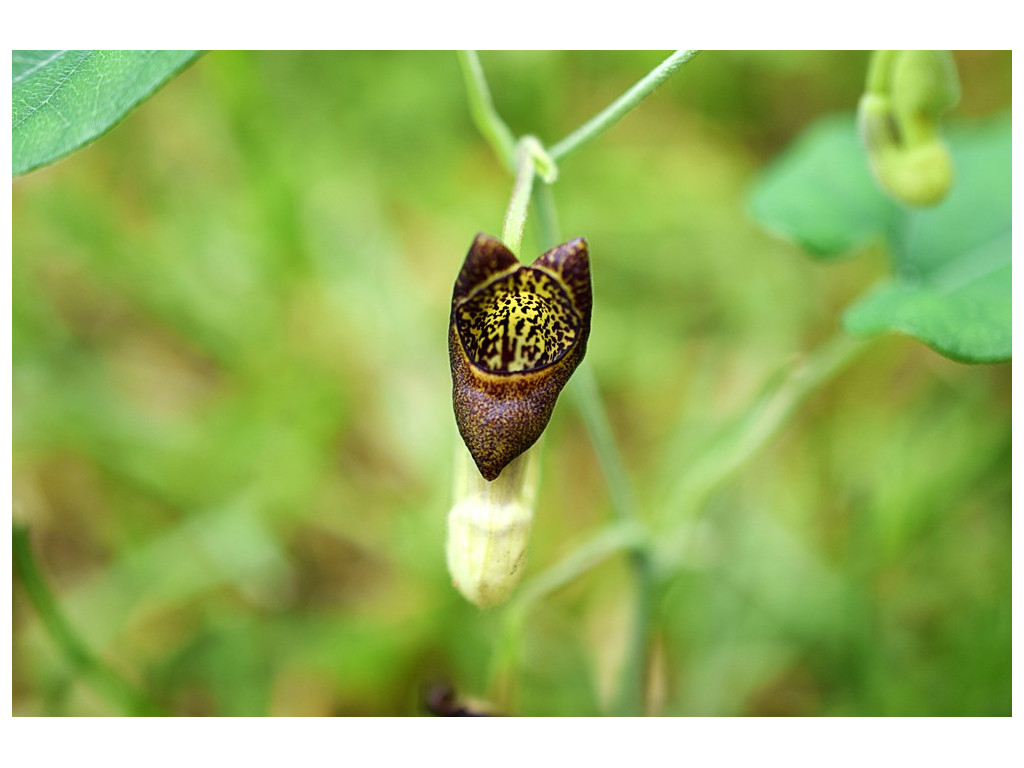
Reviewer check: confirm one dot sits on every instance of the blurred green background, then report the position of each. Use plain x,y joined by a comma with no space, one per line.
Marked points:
233,433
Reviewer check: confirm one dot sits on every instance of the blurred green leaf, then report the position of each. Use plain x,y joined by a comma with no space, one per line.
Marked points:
952,284
62,100
821,194
951,263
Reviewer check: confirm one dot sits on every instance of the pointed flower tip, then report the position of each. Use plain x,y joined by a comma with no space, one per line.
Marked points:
516,334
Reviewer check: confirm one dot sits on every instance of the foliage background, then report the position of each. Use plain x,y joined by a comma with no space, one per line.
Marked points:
232,421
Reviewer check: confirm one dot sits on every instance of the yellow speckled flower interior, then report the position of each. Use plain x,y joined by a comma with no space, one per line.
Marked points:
515,336
518,322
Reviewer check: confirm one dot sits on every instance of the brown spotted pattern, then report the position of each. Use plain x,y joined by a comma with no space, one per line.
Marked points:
518,322
515,335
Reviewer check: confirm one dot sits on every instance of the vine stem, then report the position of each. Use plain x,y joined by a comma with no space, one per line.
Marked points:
527,157
591,407
104,679
880,72
740,441
618,108
631,696
481,107
519,203
648,555
612,539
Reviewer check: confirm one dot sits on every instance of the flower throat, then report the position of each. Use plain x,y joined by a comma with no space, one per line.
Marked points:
518,322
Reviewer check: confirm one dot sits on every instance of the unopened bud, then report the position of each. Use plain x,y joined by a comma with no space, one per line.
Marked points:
898,120
920,176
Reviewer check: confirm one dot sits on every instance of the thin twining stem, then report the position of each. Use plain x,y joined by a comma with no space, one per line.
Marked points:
528,158
612,539
880,72
618,108
71,645
632,691
584,386
481,107
591,407
519,202
739,441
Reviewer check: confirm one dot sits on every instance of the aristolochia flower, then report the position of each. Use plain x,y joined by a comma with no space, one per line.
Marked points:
516,335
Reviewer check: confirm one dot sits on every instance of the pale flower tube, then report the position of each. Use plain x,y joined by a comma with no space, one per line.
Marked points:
516,334
489,527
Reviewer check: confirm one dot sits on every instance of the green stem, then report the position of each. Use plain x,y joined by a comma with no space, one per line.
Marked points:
740,441
481,107
618,108
546,217
519,203
526,158
584,385
880,72
104,679
588,400
631,696
608,541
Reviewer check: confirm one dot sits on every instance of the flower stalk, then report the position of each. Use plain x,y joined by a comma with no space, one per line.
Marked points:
630,698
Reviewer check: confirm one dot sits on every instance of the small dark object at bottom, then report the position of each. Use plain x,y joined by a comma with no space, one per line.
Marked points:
442,701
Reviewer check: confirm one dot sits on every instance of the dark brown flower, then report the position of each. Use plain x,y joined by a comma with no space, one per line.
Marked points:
515,336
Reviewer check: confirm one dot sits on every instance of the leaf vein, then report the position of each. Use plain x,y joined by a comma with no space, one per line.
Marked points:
51,94
38,66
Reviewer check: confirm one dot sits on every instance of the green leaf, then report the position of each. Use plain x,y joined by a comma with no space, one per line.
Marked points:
62,100
950,286
821,194
969,322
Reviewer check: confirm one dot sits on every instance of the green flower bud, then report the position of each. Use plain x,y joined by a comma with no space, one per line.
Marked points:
515,336
898,120
920,176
